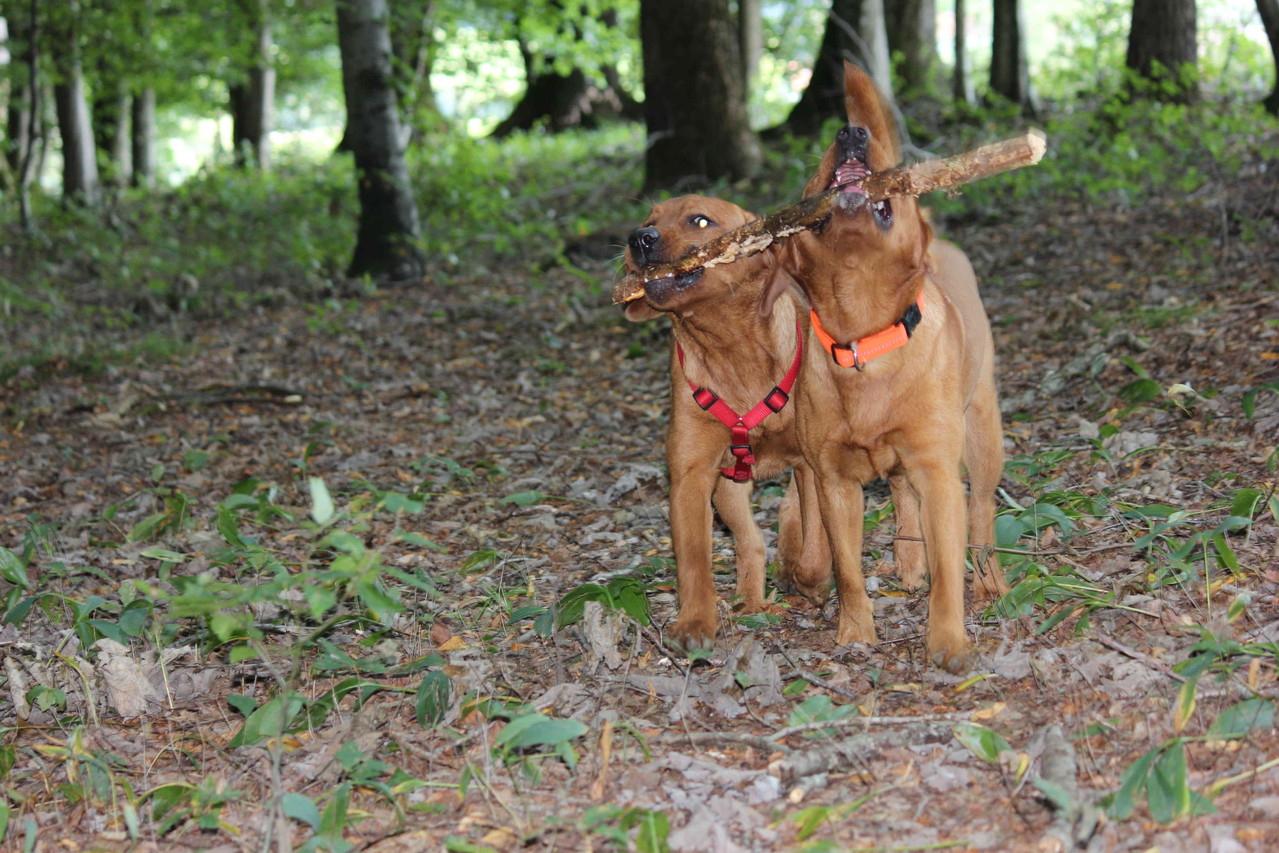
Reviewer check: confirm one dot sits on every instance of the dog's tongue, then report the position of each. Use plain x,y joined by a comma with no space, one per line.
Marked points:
849,175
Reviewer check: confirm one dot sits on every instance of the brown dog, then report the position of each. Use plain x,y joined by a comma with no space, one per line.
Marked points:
899,382
738,331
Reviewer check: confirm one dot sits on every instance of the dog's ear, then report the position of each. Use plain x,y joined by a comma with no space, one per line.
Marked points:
779,282
868,108
639,310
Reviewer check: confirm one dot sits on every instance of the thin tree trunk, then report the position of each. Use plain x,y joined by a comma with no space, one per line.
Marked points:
1269,10
23,125
253,99
1162,47
750,29
855,31
695,105
111,130
912,34
142,137
386,245
961,88
1009,75
79,154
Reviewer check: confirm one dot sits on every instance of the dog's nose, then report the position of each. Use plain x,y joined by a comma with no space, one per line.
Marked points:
853,140
643,240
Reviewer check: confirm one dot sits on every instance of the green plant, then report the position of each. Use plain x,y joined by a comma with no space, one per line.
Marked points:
622,826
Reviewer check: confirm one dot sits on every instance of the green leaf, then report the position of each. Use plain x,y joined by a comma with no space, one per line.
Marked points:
1167,793
164,555
322,508
147,527
1141,391
1185,703
654,829
433,698
418,539
12,570
1243,717
1132,783
525,498
539,730
271,719
984,742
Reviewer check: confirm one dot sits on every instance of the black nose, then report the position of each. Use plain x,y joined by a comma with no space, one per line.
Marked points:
642,241
853,140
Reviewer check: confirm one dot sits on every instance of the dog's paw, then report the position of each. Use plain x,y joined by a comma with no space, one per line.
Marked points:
747,606
949,651
693,633
859,628
812,585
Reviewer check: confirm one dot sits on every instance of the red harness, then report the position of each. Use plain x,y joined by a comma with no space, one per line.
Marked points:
741,425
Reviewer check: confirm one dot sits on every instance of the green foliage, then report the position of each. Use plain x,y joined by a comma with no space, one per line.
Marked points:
819,709
1160,777
623,826
983,741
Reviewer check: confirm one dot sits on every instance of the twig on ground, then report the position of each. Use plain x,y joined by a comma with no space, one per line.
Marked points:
1074,814
1127,651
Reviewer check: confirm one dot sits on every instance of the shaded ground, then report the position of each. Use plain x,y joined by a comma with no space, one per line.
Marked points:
531,418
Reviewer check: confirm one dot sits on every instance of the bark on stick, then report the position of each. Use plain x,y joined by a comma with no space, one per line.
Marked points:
917,179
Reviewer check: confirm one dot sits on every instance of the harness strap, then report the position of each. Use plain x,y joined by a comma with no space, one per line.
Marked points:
862,350
741,425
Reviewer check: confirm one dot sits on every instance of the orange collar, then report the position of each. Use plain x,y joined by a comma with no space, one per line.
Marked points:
862,350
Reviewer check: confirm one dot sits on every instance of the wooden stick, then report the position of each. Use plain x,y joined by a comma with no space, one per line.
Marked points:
917,179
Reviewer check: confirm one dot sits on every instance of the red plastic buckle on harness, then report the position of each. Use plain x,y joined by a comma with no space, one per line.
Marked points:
741,449
705,398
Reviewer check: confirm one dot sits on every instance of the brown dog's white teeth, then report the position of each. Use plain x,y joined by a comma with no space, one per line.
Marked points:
849,175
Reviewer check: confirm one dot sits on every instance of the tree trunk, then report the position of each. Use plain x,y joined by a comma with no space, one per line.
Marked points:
558,101
252,99
1269,10
1162,48
111,129
1009,77
912,33
386,245
79,155
855,30
750,33
23,125
961,88
142,137
695,103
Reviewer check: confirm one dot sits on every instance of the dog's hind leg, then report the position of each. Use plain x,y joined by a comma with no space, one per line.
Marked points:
803,549
908,545
984,459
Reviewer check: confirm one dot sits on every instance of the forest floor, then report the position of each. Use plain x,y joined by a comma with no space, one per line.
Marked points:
493,442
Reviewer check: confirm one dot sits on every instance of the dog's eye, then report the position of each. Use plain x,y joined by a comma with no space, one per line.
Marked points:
699,221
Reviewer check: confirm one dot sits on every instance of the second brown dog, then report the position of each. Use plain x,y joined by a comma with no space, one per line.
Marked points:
737,331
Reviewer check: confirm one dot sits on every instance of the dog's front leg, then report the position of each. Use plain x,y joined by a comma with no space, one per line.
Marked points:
693,479
945,526
732,501
843,505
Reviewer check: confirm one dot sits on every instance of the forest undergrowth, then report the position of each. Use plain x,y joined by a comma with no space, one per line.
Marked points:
289,561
